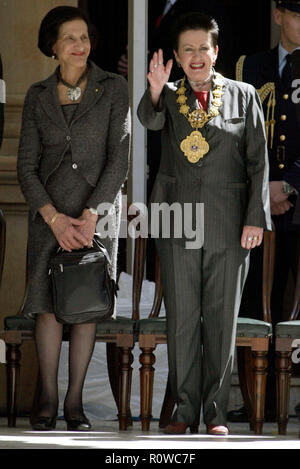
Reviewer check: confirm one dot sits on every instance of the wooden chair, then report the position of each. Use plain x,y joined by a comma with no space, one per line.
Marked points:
151,332
2,242
252,340
119,334
2,257
287,336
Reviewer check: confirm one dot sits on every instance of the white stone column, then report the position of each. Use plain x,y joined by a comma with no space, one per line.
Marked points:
137,57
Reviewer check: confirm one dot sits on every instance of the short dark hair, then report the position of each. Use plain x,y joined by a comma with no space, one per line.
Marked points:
195,20
48,32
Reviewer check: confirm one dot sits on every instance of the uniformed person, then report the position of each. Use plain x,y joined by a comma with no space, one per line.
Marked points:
272,73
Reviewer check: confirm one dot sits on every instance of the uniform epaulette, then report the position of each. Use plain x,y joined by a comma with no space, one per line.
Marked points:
239,68
268,89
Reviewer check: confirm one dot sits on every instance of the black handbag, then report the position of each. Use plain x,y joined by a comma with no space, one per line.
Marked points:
82,290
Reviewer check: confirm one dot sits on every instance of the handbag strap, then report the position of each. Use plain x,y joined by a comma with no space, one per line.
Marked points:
96,244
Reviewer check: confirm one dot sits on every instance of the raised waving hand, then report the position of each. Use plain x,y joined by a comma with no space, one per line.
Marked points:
158,75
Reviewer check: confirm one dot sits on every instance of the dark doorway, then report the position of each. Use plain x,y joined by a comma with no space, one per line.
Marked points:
242,30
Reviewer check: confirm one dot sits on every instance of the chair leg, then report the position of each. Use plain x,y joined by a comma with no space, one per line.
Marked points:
283,368
245,368
147,359
13,364
167,407
113,356
260,363
125,386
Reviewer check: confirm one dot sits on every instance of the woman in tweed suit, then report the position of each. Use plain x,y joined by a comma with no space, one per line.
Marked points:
73,156
214,153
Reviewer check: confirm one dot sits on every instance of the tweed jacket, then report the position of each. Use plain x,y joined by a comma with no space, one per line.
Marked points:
231,180
98,137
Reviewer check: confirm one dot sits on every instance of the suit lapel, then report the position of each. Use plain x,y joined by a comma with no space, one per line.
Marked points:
50,102
91,96
92,93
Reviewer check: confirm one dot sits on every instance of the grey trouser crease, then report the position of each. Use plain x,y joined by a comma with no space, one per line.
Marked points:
202,293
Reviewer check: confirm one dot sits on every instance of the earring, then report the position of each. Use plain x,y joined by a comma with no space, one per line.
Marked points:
178,65
53,56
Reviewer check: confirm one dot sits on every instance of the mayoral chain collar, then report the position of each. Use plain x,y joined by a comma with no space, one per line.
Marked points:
195,146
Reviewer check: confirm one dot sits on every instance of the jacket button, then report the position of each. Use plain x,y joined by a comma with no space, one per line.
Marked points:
282,138
74,166
68,138
283,117
285,96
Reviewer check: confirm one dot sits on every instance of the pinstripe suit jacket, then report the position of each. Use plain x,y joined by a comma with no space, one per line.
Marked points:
232,178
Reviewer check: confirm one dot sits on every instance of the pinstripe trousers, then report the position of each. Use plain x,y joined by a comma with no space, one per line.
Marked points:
202,294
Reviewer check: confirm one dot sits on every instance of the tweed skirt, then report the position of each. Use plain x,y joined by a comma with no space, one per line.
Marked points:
69,198
69,192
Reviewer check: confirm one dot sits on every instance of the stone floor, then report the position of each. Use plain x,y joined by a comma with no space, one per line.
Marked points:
105,436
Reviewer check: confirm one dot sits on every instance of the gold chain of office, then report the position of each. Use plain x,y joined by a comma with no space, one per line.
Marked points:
195,146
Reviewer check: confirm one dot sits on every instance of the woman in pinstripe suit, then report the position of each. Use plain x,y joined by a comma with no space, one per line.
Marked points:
214,153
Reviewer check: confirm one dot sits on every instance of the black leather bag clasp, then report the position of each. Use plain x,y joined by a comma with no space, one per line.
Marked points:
82,289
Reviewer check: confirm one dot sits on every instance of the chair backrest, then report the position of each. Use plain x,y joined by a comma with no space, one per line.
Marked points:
138,277
2,242
268,272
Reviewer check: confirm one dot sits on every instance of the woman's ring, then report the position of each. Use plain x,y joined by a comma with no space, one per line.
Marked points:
249,238
160,63
255,238
152,71
155,65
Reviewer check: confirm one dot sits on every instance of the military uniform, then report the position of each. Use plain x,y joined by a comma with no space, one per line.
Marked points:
265,71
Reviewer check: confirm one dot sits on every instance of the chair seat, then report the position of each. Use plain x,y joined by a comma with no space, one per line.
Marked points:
288,329
247,327
120,325
19,323
152,326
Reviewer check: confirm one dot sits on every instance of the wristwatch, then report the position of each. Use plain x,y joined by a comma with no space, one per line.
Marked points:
93,211
288,189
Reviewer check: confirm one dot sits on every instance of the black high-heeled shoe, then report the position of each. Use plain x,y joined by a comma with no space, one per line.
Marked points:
44,423
78,424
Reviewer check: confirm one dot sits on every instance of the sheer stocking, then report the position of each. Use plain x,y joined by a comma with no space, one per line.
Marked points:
82,341
48,339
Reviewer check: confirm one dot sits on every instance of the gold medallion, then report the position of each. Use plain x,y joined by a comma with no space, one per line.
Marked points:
197,118
194,146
